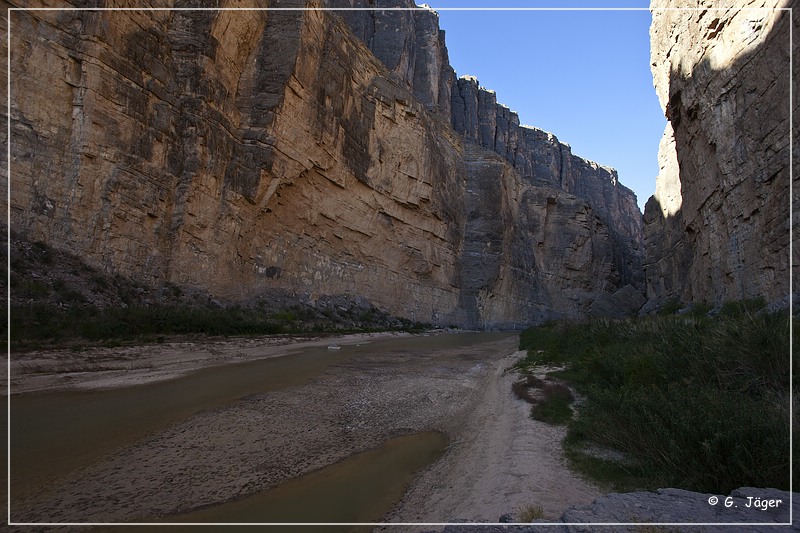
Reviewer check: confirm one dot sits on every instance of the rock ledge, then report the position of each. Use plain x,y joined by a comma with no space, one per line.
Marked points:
757,510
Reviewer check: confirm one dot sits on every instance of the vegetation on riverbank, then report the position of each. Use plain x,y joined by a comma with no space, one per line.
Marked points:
693,401
57,301
36,326
550,399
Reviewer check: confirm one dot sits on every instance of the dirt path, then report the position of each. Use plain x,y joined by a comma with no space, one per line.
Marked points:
500,461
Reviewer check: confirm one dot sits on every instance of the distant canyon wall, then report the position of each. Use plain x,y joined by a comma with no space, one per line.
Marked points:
244,151
717,228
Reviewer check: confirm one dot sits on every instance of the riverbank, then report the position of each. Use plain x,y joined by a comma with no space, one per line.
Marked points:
499,461
498,458
699,400
108,368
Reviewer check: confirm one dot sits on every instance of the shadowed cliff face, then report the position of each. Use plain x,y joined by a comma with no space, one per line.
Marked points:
409,43
539,157
718,227
249,151
531,251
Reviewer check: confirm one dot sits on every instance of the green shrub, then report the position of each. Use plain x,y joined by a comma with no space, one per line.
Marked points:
610,475
554,407
29,289
701,309
670,307
284,316
43,323
696,402
741,307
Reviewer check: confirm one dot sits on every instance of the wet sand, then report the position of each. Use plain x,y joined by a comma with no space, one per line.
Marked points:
499,459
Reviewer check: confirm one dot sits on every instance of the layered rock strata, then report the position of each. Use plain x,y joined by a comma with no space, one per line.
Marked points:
232,150
408,41
247,151
717,228
538,156
530,251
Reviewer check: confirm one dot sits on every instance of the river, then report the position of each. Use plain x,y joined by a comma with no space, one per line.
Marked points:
224,442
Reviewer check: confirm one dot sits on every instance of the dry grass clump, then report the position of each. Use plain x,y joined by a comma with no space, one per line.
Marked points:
531,513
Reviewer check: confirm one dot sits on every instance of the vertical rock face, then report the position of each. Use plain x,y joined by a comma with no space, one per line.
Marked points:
717,228
254,150
538,156
246,151
531,251
408,41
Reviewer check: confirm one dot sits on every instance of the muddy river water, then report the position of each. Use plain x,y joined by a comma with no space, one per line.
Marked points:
317,435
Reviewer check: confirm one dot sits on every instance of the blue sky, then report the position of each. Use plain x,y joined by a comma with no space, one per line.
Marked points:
582,75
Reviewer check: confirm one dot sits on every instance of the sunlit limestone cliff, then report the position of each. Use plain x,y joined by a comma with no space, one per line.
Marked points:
311,152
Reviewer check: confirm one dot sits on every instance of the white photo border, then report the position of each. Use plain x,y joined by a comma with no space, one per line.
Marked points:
10,10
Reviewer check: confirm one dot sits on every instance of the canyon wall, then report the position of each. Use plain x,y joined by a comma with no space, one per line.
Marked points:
538,156
408,41
307,152
717,228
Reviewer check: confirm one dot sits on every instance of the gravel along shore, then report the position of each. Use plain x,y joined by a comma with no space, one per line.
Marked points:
498,460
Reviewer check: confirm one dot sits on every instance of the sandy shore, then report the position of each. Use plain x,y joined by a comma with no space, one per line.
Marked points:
108,368
499,459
